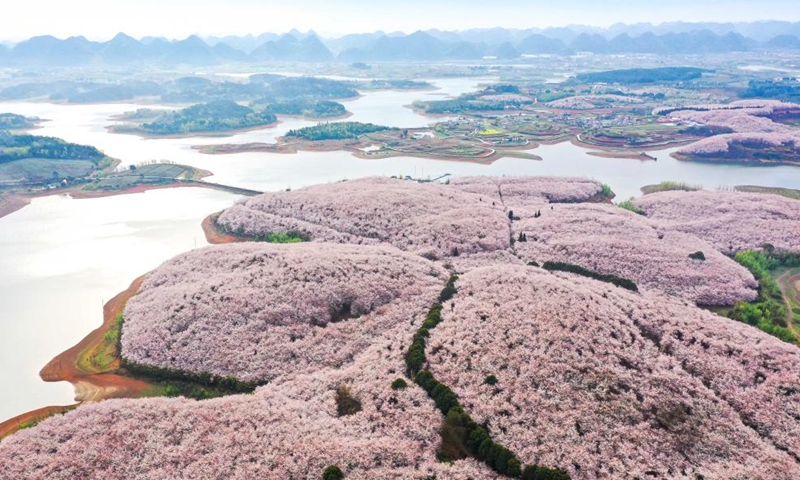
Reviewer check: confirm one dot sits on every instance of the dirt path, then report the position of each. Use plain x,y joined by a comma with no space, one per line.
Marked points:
27,419
216,237
90,384
789,283
11,203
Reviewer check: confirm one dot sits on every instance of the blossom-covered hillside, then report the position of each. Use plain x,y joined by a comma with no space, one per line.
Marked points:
427,219
475,219
288,429
611,384
375,358
750,124
515,192
608,239
731,221
256,311
432,219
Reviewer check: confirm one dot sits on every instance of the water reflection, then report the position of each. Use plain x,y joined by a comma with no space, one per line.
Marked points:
62,258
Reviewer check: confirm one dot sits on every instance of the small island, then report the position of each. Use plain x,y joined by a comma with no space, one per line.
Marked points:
33,166
34,161
16,123
303,107
217,117
367,140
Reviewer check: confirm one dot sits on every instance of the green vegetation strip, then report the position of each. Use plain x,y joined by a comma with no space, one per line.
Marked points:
217,116
628,205
643,75
336,131
603,277
768,312
670,186
292,236
17,147
462,437
199,386
174,383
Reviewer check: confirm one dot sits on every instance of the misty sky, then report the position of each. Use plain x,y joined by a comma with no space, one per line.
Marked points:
101,19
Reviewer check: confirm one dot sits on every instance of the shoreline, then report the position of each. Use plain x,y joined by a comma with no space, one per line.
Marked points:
90,385
113,129
347,114
12,203
499,151
20,422
728,161
214,236
17,201
625,155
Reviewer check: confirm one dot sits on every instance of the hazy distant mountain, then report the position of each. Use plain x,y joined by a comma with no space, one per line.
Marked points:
34,49
51,51
123,49
590,43
695,42
157,48
625,43
418,46
245,44
539,44
765,31
300,35
496,36
784,42
504,51
465,51
290,48
148,40
433,45
192,51
353,41
566,35
449,37
225,52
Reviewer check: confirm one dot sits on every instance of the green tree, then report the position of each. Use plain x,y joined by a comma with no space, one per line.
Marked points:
332,472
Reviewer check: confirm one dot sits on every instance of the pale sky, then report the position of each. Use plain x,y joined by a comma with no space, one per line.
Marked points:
102,19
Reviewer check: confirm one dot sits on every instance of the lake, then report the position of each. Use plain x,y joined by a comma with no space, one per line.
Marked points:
61,258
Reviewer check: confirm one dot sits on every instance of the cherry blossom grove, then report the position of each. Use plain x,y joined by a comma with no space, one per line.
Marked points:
748,119
515,192
563,370
612,384
289,428
256,311
427,219
608,239
471,216
730,221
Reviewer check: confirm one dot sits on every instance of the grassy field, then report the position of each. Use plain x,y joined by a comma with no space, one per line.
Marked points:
41,170
670,186
789,282
786,192
103,356
155,174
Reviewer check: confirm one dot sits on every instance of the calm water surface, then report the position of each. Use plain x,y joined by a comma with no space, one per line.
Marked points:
60,259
